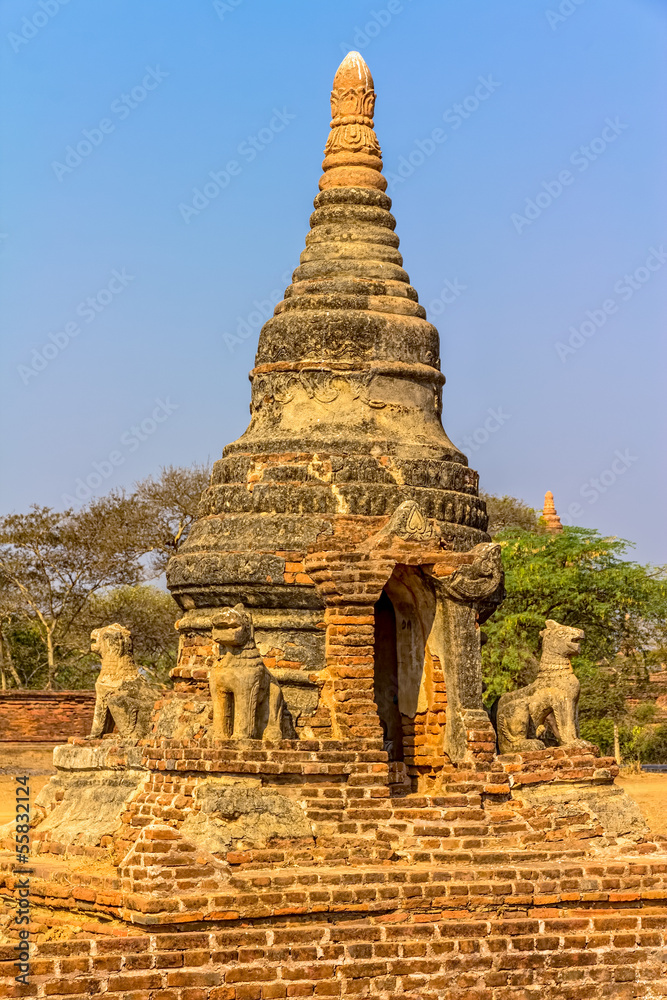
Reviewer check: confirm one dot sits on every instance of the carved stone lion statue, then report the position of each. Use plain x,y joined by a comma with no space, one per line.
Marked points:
552,699
124,699
248,701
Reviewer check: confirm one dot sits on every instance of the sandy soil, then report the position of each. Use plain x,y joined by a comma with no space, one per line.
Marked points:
650,793
32,759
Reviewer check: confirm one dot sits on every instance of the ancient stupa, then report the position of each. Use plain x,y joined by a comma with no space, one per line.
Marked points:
345,432
317,808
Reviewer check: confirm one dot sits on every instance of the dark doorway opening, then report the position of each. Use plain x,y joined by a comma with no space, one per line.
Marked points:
386,677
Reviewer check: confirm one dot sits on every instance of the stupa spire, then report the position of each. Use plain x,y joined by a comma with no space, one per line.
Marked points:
350,327
346,397
550,515
352,156
349,365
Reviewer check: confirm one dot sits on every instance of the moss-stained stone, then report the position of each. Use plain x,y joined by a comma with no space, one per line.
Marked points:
242,814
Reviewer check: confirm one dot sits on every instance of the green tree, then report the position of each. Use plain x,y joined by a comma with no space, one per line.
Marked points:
653,744
578,578
169,505
508,512
51,564
606,688
11,616
147,611
24,649
60,569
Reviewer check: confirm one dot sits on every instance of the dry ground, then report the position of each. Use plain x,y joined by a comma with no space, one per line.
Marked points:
32,759
650,793
35,760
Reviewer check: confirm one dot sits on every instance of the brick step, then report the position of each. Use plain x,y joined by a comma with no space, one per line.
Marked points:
444,815
442,800
432,830
545,874
508,856
420,806
463,788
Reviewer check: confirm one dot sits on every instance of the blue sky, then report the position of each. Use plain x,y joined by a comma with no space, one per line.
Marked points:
534,230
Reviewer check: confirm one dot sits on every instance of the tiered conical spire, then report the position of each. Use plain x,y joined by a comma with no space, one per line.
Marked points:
550,514
350,328
346,392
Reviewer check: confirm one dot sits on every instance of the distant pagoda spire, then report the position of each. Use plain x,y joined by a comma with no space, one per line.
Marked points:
550,515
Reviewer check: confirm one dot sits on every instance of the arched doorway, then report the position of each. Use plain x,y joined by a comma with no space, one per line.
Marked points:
385,681
409,687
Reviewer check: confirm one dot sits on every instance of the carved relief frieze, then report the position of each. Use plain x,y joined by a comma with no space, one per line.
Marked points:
325,386
355,137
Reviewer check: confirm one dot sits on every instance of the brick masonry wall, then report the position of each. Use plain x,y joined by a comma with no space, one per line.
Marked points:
406,897
576,954
45,716
344,789
424,734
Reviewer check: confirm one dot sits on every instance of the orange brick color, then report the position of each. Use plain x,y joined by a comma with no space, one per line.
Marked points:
45,716
547,951
466,892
